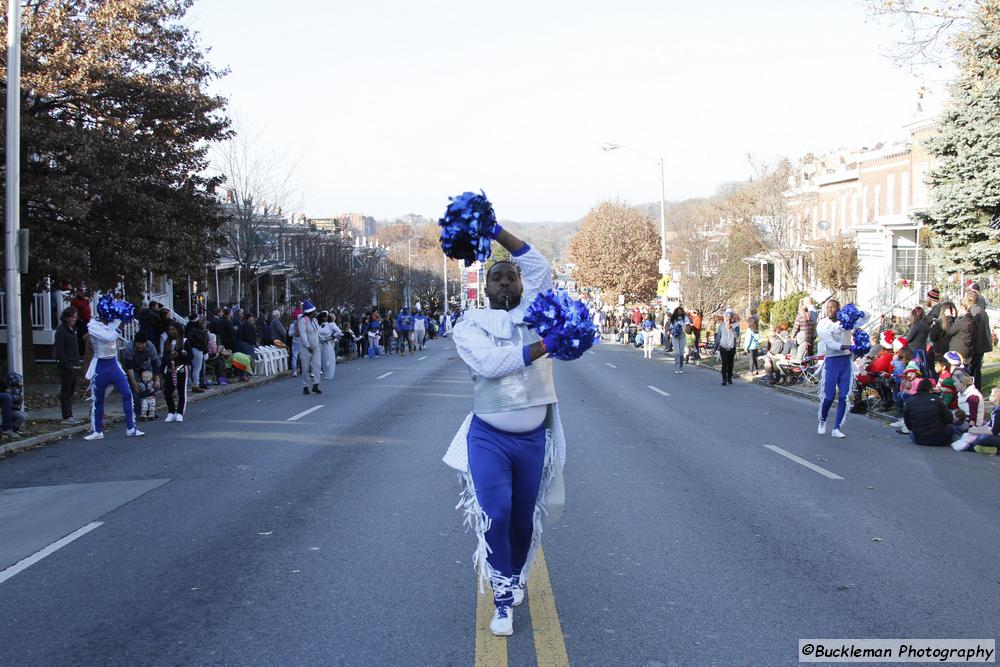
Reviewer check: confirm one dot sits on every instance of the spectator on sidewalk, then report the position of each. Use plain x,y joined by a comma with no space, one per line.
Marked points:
907,388
753,346
962,332
916,337
928,419
983,339
82,305
696,320
226,331
984,438
726,337
804,330
197,334
68,362
176,359
278,331
246,338
12,404
932,308
970,400
139,357
216,360
938,335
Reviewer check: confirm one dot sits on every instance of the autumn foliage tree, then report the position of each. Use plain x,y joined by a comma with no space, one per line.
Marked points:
617,250
116,123
836,265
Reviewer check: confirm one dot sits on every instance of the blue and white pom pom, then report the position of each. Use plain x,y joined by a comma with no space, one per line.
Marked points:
110,309
862,343
467,227
849,316
567,319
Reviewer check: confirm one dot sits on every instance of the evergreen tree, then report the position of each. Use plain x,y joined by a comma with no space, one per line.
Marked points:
966,179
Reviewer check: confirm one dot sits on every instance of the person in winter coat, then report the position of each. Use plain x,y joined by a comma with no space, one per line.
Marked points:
984,335
278,331
329,334
962,332
176,360
197,335
928,419
916,337
938,334
68,362
307,331
727,337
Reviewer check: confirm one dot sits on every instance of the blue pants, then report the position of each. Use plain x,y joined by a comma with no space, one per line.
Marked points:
110,373
836,376
507,471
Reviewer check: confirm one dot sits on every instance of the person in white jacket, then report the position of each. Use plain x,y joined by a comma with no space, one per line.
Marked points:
105,370
307,333
329,334
510,449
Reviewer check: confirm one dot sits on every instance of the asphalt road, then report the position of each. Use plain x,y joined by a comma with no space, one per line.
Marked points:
241,537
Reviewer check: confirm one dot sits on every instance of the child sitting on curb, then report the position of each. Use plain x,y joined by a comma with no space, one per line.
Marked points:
983,439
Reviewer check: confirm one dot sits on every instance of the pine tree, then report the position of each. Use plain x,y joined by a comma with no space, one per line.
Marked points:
966,180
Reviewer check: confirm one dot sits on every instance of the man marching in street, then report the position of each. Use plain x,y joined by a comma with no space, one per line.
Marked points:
307,333
510,450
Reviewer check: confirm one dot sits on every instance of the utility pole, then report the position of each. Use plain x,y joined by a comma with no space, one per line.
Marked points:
13,207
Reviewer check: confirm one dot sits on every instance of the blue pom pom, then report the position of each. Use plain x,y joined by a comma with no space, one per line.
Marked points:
467,227
849,315
677,329
862,343
570,321
110,309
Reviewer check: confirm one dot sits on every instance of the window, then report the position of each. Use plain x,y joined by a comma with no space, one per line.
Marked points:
906,265
890,194
904,193
877,204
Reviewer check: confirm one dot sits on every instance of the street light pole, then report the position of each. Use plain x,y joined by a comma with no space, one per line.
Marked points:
409,269
664,264
13,207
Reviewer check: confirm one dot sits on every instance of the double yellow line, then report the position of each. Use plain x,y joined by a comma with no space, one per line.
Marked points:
550,647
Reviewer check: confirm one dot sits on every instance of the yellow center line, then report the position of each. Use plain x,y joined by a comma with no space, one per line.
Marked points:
550,646
491,651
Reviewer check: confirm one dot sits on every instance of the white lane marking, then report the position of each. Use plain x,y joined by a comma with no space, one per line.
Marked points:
658,391
610,364
808,464
42,553
421,358
303,414
384,375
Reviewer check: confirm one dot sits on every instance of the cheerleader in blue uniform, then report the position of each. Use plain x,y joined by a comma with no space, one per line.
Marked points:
104,369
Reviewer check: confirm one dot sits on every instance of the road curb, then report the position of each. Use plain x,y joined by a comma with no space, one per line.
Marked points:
36,441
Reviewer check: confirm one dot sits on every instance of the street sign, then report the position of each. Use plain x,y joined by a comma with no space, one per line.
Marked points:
662,286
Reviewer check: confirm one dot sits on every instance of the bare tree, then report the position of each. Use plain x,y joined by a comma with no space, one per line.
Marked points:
260,188
760,203
324,269
709,254
927,28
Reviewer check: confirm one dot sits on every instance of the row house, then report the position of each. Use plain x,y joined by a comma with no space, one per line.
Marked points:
869,194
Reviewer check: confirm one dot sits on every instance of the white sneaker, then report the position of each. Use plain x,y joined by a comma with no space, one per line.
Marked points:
96,435
821,429
837,433
502,624
680,372
178,417
133,433
903,430
961,445
897,424
171,417
518,595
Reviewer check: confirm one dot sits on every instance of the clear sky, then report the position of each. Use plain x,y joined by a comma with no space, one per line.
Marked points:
389,107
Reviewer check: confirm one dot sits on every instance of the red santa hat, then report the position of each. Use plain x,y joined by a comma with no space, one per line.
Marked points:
887,338
899,344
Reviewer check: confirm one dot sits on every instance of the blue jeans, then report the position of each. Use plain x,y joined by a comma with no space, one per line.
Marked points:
507,472
678,352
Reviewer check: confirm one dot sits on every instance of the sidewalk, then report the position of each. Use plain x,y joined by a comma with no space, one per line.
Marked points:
45,424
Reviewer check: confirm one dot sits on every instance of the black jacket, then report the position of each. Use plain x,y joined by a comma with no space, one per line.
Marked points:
67,348
226,333
984,334
962,334
916,337
927,416
939,334
198,336
183,357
